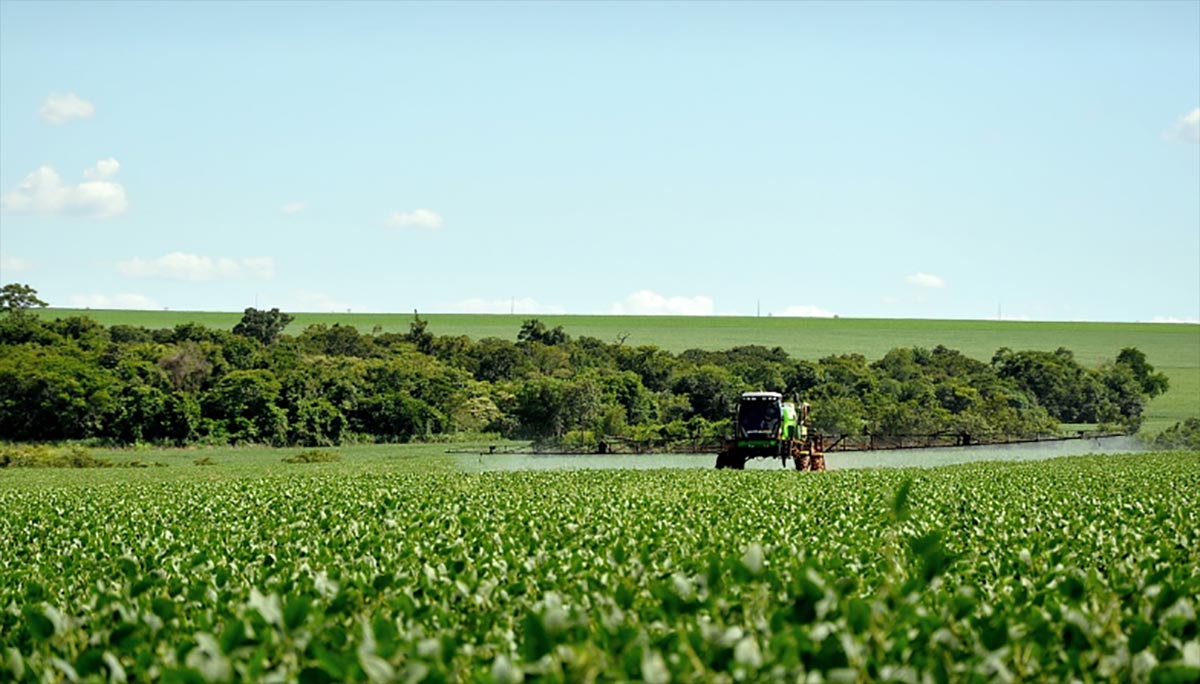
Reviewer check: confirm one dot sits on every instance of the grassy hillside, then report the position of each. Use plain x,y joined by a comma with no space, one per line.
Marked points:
1174,349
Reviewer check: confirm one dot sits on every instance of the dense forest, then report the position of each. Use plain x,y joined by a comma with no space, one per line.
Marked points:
74,379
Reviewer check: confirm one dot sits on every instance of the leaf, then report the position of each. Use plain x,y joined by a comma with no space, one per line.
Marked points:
89,662
536,642
35,592
233,635
39,626
858,615
378,670
267,606
163,607
1175,673
1071,587
314,675
752,559
295,611
900,503
1140,637
654,668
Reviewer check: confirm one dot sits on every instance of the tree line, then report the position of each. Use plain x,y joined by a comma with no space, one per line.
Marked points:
75,379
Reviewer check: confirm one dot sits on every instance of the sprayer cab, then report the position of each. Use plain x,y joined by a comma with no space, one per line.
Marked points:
766,426
766,417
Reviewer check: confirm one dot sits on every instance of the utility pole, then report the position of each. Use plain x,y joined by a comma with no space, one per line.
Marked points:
758,308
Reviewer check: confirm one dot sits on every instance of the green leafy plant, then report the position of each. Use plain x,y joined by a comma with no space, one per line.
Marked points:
313,456
1069,569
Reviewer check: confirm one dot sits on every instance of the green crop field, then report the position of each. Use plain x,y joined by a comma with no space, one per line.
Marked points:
399,569
1173,349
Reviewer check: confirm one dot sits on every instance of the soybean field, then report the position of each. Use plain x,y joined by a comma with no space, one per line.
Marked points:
1072,569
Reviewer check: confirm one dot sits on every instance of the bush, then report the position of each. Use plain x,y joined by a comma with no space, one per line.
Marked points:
1182,435
313,456
45,456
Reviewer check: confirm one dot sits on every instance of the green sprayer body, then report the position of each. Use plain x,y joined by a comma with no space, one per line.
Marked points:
767,426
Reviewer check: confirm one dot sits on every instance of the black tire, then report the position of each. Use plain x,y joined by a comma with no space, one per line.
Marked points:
731,460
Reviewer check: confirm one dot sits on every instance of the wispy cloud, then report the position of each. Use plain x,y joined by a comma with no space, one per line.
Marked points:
420,219
1174,319
650,303
118,301
1187,128
60,109
521,305
925,280
197,267
43,192
293,208
806,311
320,302
10,265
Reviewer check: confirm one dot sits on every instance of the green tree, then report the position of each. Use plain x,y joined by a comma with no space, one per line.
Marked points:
264,326
147,414
711,390
338,340
245,401
17,298
838,416
496,360
1152,384
534,330
1182,435
419,336
539,408
652,364
397,417
54,393
187,366
315,422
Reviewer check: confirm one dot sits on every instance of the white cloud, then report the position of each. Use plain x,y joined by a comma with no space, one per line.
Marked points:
925,280
196,267
422,219
103,169
119,301
320,302
43,192
1174,319
10,265
262,268
806,311
293,207
650,303
522,305
59,109
1187,128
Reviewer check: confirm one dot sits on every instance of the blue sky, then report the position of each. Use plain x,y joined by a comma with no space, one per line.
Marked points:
936,160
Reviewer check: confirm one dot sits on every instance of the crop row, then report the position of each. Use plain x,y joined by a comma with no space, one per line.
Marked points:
1083,569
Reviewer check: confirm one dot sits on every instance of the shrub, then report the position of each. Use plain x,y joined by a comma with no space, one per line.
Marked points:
313,456
46,456
1182,435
